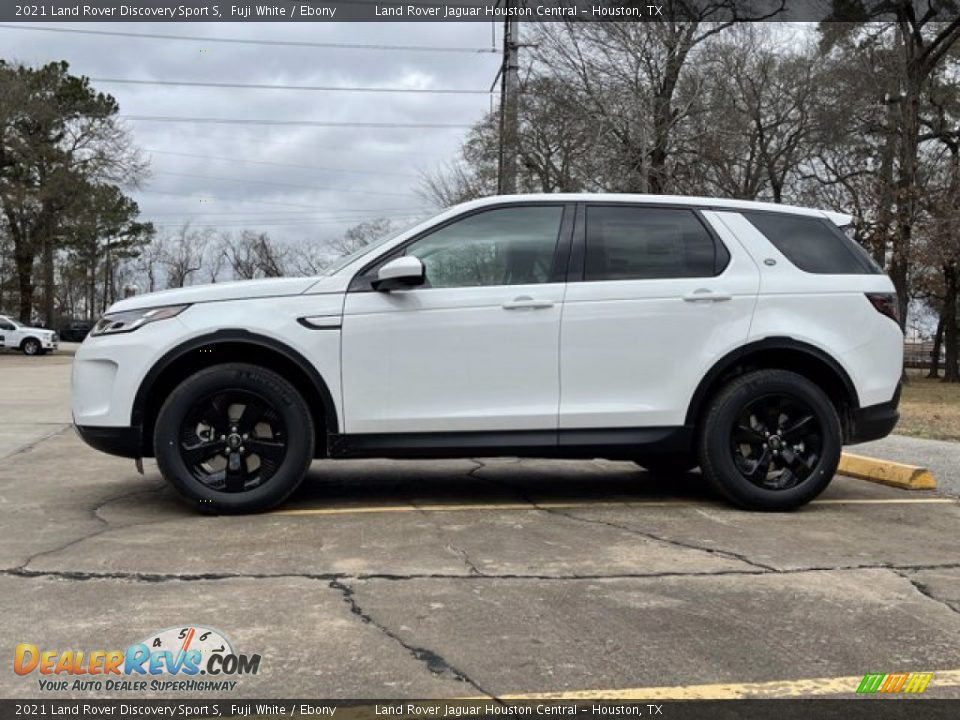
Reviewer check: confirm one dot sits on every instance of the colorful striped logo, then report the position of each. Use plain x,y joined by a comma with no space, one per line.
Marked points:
893,683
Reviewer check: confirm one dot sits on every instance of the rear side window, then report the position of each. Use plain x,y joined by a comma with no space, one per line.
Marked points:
812,244
637,243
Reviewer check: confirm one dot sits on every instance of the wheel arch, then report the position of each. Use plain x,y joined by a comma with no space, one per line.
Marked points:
783,353
232,345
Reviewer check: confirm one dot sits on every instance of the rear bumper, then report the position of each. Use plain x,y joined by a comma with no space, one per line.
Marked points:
122,441
875,421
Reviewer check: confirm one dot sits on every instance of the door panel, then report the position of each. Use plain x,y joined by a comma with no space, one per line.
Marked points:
451,359
477,347
633,350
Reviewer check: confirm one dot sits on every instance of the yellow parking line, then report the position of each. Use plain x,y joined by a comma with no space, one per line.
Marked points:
478,507
806,687
887,501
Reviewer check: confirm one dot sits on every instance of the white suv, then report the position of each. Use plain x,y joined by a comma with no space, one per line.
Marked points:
751,340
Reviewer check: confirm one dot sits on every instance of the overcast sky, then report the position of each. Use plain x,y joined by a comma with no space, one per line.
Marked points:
351,173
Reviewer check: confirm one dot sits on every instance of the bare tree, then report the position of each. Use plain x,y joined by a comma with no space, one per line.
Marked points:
251,255
182,254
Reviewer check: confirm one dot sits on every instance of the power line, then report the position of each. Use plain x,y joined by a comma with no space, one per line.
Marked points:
244,41
336,221
274,164
317,88
288,213
228,201
278,184
301,123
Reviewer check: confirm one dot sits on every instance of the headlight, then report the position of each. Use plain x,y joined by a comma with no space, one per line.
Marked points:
130,320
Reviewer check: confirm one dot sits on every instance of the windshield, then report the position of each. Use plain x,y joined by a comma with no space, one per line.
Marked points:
12,321
341,263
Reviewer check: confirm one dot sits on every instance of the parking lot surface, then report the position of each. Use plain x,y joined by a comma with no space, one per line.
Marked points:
476,577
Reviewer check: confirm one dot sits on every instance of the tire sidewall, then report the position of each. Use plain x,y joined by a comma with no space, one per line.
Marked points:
31,343
716,440
287,402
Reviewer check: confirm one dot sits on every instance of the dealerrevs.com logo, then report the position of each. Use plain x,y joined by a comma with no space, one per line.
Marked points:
181,659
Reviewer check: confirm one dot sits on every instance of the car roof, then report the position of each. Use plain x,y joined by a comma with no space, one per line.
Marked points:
839,219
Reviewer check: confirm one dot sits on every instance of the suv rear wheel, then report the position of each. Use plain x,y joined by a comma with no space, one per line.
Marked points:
234,438
770,440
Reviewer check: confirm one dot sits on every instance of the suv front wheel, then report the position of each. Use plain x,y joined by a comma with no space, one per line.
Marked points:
770,440
234,438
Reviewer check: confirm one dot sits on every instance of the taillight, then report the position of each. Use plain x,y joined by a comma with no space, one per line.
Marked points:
886,304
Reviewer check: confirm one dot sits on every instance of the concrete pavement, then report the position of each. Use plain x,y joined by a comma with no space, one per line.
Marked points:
940,457
34,399
453,578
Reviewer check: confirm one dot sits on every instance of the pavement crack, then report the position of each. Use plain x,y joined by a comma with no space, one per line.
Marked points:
327,577
105,526
728,554
462,554
925,590
31,445
441,535
435,663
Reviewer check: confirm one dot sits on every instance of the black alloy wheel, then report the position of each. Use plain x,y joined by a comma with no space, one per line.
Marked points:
233,441
234,438
769,440
777,441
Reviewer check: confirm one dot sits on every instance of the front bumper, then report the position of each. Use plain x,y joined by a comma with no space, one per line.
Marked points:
875,421
122,441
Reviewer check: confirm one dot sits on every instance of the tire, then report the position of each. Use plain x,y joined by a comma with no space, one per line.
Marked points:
770,440
234,438
669,465
31,346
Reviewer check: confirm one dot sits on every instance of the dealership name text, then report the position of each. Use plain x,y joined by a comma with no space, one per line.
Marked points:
413,710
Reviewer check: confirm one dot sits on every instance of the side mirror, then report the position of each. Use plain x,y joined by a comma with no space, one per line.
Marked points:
402,272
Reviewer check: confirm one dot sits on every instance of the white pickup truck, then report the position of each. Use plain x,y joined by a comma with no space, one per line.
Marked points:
30,340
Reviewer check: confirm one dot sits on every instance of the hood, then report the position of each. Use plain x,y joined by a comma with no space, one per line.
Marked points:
36,330
239,290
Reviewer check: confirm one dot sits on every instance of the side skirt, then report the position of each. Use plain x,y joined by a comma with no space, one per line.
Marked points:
612,443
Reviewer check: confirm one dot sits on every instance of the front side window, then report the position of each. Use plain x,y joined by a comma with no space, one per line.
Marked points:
813,244
505,246
638,243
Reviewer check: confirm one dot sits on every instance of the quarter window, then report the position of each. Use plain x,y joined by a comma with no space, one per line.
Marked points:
637,243
505,246
812,244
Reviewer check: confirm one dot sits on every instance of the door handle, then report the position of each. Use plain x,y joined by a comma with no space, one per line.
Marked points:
525,302
707,295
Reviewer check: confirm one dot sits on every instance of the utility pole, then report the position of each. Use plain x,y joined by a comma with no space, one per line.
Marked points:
509,105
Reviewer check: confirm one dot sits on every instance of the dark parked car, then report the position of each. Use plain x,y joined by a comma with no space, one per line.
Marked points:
75,331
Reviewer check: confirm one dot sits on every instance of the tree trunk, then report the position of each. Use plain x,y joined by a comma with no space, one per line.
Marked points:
49,286
884,181
951,372
935,353
24,262
663,117
92,292
906,179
